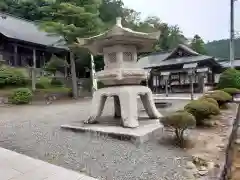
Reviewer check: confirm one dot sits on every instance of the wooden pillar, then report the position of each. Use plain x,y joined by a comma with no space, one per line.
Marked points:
15,58
34,71
166,87
213,78
74,78
202,81
150,84
65,67
191,86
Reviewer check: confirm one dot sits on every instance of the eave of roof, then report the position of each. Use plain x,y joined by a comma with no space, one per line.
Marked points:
28,31
182,60
144,62
226,64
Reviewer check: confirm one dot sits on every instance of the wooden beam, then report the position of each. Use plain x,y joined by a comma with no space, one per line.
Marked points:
43,48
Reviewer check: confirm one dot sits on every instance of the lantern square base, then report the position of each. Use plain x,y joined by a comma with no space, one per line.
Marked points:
147,129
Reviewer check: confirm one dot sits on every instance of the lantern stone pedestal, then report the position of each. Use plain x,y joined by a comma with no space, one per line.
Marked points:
125,103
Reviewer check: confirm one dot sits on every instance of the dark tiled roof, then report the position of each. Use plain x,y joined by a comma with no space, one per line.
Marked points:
182,60
148,61
160,59
17,28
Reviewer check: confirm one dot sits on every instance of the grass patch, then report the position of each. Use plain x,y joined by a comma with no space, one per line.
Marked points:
54,90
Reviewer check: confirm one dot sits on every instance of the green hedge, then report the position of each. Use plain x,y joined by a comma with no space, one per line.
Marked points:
12,77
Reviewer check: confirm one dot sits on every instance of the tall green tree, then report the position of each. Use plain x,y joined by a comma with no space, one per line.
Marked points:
27,9
55,64
197,44
110,10
175,37
72,20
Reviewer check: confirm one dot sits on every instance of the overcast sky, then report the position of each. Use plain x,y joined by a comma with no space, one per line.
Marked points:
208,18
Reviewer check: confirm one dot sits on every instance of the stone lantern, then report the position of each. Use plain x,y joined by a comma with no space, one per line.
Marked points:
121,76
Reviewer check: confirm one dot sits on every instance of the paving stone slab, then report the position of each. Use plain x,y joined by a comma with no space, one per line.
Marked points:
16,166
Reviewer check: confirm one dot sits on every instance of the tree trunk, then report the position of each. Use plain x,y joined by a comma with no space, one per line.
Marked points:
74,78
177,134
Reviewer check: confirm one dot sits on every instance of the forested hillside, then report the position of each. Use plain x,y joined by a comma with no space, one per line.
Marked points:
221,48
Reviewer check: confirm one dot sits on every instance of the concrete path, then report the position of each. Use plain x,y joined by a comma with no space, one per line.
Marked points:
14,166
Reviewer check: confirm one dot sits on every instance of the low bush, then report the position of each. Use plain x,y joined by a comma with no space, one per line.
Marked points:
210,100
21,96
45,81
40,85
179,121
202,110
230,78
231,91
12,77
220,96
56,82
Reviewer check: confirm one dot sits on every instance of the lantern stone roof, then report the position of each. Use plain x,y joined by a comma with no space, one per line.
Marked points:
119,35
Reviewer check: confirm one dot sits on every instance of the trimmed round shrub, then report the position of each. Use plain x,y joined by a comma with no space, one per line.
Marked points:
40,85
45,81
202,110
210,100
220,96
21,96
231,91
179,121
56,82
230,78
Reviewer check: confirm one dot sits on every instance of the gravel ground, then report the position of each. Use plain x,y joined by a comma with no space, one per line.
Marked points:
35,131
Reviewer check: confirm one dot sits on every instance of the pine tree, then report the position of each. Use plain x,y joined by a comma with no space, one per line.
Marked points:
72,20
197,45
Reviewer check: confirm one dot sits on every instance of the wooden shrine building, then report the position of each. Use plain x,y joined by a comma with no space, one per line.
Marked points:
23,44
176,70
